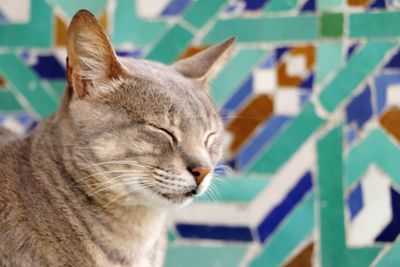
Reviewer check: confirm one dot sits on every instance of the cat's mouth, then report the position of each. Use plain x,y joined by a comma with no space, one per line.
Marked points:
178,197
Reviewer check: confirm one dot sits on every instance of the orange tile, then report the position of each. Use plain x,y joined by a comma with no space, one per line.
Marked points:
358,2
303,258
286,80
246,121
60,32
192,50
390,121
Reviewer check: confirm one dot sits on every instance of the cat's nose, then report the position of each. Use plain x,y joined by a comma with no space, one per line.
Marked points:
199,173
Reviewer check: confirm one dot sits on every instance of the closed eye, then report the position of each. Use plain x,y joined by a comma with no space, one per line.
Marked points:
209,139
170,135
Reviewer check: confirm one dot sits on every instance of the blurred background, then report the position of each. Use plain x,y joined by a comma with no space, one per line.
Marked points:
311,102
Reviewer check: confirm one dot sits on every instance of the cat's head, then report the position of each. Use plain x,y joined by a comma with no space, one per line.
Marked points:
142,131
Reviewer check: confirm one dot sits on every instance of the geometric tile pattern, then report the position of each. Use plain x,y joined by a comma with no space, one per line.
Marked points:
311,102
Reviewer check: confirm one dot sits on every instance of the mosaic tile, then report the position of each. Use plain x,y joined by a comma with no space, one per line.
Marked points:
381,4
394,62
236,70
351,75
355,201
288,237
308,6
175,7
329,55
276,216
390,122
201,11
304,258
392,230
218,232
48,67
204,255
70,7
251,116
192,50
288,141
8,102
331,24
383,82
329,4
269,29
358,3
277,6
367,24
359,110
174,41
237,99
3,82
332,230
60,32
391,257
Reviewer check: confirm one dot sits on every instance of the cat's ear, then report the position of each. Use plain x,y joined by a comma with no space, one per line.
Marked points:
201,65
91,59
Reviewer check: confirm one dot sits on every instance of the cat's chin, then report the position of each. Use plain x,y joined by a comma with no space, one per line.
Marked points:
167,200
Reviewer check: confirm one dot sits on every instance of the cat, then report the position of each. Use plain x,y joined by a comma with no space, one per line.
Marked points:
92,184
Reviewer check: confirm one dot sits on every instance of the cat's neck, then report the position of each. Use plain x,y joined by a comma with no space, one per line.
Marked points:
121,233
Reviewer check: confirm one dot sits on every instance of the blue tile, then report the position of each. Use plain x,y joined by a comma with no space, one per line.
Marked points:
378,4
309,6
304,97
216,232
278,214
280,51
359,110
3,18
268,63
48,67
382,82
308,83
175,7
355,201
137,53
258,142
252,5
392,230
351,50
351,133
237,99
394,62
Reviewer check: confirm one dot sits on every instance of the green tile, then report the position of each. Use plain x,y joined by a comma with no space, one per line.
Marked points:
296,228
38,32
171,236
329,4
376,24
391,257
377,148
329,58
263,29
332,232
27,85
8,102
171,45
234,73
331,24
279,5
204,255
358,69
58,87
70,7
235,189
129,27
201,11
287,143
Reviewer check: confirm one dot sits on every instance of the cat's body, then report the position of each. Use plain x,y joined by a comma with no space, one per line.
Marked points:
90,186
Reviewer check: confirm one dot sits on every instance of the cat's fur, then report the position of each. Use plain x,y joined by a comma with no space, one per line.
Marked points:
91,185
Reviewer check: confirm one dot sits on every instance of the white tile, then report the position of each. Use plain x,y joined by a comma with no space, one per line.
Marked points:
151,9
393,95
16,11
264,81
296,66
376,212
287,102
12,124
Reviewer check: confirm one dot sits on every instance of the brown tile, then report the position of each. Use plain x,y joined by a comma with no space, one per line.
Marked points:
284,79
358,2
60,32
192,50
390,121
246,121
3,82
303,258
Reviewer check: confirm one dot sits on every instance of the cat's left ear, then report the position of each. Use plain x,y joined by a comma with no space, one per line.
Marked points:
201,65
91,60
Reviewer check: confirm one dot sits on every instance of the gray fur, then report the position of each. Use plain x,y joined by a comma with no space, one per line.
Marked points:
91,185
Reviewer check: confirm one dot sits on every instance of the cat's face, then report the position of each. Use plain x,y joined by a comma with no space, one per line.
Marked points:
146,132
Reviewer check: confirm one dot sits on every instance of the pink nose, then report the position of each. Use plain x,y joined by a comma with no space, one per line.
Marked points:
199,173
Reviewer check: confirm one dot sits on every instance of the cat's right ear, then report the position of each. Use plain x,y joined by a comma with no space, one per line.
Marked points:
91,59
